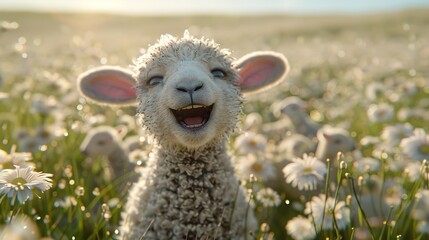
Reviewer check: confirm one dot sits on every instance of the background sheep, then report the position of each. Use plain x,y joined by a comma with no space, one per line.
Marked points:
293,118
107,141
293,108
332,141
189,93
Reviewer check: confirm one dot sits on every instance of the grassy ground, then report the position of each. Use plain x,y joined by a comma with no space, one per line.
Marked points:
334,60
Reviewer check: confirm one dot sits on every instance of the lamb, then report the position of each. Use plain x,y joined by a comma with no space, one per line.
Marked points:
107,141
332,141
189,93
297,119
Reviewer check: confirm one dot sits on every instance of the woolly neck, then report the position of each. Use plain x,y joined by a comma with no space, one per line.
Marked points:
194,162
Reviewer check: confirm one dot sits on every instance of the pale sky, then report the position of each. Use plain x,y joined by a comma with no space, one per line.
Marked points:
222,7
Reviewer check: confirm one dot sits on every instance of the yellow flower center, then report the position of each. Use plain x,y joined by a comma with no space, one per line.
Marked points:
256,167
252,143
44,134
307,170
19,181
7,165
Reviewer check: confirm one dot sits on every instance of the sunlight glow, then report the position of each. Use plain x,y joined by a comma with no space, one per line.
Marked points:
221,7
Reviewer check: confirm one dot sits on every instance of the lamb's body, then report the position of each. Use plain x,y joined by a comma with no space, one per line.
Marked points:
189,93
190,195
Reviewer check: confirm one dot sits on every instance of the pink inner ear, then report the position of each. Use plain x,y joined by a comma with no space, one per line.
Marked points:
256,73
113,86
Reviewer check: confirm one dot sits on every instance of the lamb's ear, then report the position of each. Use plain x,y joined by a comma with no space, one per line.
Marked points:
261,70
108,85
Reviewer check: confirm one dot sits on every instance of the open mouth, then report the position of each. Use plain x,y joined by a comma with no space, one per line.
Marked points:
193,116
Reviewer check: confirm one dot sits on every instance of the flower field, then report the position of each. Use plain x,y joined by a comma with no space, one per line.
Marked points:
339,150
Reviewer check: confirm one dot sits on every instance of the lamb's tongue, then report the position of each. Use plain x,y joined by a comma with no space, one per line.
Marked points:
193,120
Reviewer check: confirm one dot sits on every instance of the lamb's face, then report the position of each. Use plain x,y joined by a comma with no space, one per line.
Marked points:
332,141
99,143
293,108
187,92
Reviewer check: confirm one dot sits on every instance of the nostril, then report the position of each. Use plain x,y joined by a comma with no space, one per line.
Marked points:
182,89
198,87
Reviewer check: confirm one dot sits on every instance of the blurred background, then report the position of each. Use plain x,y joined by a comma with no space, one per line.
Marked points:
223,7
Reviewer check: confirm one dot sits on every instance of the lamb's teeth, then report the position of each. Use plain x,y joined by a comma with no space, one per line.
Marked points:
193,106
187,107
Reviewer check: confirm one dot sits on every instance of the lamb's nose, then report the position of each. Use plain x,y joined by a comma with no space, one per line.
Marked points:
189,87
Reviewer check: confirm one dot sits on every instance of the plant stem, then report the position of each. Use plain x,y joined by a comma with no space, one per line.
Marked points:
385,224
361,209
328,175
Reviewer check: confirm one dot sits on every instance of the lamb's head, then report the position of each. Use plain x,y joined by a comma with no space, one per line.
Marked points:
188,89
332,141
101,141
293,107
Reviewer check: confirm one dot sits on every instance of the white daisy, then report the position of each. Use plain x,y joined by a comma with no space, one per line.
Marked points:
45,134
369,141
54,82
318,211
380,112
250,143
367,165
421,209
374,91
370,184
21,182
268,197
413,171
404,114
300,228
416,146
393,192
408,88
44,105
252,122
15,159
260,168
65,203
394,134
305,173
